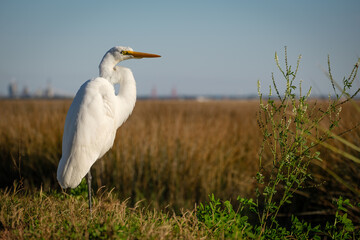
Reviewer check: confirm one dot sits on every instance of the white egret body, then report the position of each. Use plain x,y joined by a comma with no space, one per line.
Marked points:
94,116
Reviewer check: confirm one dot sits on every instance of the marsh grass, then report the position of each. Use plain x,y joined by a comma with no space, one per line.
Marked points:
30,133
169,156
170,153
51,215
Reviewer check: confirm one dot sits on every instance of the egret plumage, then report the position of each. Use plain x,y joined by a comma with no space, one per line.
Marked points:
94,116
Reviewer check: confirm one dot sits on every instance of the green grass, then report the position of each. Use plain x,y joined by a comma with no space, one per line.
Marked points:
53,215
40,215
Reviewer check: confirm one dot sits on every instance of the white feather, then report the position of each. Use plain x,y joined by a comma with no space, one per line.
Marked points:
94,116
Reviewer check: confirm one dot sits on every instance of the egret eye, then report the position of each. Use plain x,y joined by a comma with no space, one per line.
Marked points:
124,52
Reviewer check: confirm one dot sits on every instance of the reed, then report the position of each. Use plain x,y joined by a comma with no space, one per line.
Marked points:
171,152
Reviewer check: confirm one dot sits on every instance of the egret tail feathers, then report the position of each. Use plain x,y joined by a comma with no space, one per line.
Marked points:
72,169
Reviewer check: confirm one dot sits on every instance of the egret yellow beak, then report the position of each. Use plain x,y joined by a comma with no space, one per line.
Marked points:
140,54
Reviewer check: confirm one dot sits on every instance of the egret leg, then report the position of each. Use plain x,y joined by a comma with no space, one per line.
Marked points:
89,188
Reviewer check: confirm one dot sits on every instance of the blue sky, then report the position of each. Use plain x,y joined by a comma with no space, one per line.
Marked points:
207,47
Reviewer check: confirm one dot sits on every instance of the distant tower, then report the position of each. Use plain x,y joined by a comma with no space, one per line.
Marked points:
49,93
25,93
13,90
174,93
154,93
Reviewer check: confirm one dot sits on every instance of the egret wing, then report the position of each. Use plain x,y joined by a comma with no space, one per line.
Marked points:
89,130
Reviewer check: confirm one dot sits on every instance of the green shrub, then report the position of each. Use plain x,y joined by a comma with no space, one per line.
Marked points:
292,128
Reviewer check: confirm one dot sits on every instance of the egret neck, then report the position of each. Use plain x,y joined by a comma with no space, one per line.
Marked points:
123,76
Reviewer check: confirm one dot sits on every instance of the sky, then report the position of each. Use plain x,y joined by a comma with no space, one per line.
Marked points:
207,47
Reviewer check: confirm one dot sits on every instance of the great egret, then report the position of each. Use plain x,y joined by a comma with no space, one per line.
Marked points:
94,116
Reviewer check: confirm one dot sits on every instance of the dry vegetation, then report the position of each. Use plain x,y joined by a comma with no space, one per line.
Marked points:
171,153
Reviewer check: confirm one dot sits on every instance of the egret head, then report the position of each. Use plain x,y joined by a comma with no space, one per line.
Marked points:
120,53
115,55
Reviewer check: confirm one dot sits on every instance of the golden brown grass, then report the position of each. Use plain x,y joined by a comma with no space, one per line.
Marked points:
171,153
